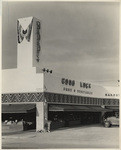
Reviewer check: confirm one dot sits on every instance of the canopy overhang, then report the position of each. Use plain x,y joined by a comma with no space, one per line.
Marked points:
77,108
115,108
18,108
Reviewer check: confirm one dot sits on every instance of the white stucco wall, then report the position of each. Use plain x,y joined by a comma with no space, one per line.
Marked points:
22,80
53,84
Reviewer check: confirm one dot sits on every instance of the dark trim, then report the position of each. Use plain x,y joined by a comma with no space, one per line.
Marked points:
79,100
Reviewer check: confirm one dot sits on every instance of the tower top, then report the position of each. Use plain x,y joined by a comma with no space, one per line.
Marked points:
25,21
29,42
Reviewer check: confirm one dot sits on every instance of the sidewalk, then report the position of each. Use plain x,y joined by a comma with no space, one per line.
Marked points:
19,134
76,137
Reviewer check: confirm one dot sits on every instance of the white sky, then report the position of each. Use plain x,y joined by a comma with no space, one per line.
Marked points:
80,39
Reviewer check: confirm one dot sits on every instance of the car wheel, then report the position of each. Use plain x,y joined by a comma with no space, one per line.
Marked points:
107,124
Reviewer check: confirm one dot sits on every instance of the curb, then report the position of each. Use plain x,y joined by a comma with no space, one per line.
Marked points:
17,137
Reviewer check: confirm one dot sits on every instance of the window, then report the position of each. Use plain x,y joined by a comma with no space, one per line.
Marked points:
88,100
91,100
85,100
82,100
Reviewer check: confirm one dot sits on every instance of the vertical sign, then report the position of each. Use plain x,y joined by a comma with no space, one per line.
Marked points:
38,41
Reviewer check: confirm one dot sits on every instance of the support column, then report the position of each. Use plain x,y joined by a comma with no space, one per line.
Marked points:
102,115
41,115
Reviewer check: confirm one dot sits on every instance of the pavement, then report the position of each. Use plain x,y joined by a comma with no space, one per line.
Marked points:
89,136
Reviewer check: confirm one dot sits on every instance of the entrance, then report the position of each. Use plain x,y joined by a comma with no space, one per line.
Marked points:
18,117
68,116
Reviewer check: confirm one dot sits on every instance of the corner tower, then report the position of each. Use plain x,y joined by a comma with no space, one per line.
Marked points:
28,42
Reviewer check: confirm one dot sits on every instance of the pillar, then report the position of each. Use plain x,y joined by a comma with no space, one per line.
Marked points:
41,115
102,115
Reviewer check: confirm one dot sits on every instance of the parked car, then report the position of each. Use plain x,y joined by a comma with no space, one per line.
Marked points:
113,120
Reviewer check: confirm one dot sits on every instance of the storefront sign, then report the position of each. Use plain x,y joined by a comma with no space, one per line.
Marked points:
77,91
67,82
38,41
85,85
72,83
56,84
111,95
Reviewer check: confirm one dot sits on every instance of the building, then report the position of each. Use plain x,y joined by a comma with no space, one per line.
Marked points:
35,96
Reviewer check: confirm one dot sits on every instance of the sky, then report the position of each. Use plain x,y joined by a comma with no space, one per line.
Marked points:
79,39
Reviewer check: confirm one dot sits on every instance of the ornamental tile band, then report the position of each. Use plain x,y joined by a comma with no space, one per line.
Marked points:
57,98
22,97
69,99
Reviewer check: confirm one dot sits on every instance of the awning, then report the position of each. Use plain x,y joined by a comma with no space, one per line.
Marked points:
113,107
99,109
77,108
74,108
18,108
67,108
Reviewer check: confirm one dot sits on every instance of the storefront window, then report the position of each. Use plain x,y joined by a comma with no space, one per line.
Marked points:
88,100
82,100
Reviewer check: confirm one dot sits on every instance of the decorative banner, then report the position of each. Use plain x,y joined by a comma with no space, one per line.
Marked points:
24,33
38,41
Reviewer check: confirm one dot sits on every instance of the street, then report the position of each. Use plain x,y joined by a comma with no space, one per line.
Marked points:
89,136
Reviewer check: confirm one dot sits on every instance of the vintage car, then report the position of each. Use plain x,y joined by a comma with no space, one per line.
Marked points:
113,120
